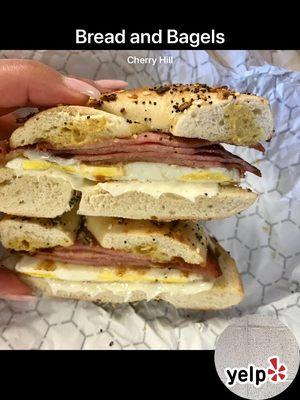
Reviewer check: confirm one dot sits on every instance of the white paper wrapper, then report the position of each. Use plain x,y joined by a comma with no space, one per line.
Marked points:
264,240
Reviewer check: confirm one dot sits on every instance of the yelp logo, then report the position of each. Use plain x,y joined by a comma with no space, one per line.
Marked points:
276,372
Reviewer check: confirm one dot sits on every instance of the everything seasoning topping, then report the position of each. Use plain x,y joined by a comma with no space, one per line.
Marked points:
198,236
185,105
95,103
200,89
132,96
160,89
223,92
122,111
75,198
109,97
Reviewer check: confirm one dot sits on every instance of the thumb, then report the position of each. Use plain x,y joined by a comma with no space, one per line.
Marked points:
31,83
12,288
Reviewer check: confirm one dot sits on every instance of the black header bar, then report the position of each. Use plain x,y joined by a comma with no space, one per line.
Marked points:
61,33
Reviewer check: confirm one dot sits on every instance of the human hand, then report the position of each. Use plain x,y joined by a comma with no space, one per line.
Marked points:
26,83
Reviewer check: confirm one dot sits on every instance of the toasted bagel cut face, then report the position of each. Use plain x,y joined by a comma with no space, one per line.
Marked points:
159,241
74,126
30,234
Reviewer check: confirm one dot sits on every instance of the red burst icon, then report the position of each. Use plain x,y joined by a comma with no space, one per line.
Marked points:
278,371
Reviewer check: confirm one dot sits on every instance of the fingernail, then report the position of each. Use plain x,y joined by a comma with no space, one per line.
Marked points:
111,84
16,297
82,87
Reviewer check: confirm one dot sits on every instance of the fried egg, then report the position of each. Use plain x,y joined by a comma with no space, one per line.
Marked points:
87,273
139,171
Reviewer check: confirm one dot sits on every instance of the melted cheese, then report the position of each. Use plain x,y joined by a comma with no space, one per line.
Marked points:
150,290
188,190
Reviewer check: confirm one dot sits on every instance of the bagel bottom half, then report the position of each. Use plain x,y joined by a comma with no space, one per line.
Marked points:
228,201
48,197
226,291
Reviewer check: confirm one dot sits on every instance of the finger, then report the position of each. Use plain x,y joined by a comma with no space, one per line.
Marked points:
106,85
12,288
27,83
8,124
5,110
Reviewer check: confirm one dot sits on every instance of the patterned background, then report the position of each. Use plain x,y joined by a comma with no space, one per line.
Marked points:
264,240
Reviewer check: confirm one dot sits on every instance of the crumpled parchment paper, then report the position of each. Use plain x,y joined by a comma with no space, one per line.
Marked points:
264,240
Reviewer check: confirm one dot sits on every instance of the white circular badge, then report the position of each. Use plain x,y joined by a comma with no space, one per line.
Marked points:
257,357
